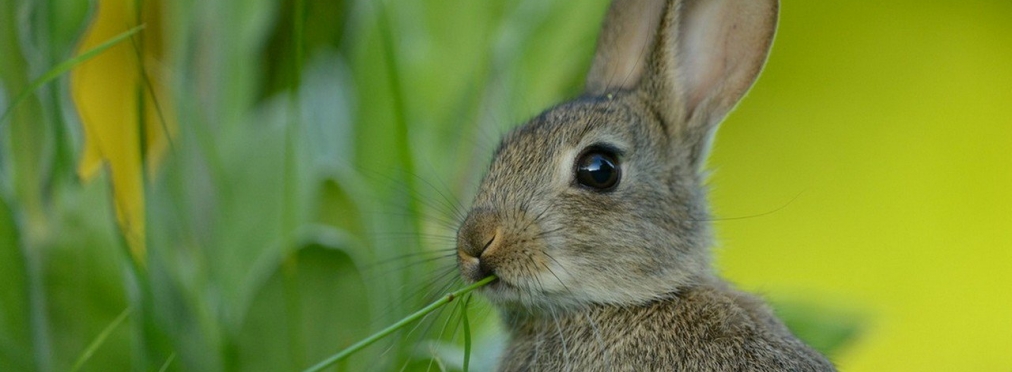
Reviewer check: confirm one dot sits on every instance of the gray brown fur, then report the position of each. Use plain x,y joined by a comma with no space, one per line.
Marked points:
707,328
621,280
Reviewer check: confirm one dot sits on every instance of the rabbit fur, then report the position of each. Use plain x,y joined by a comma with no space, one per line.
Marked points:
621,280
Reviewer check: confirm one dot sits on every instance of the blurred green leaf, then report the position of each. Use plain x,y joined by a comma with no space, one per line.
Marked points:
324,26
332,315
826,328
55,27
52,32
25,138
335,207
38,45
16,348
83,271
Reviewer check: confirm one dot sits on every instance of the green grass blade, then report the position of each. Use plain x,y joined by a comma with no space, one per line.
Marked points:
403,146
65,66
400,324
289,219
467,333
147,87
168,361
99,340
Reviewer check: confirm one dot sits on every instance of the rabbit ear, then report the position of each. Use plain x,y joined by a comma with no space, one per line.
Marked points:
693,59
625,42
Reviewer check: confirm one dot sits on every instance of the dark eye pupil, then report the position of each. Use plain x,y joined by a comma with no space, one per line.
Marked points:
597,169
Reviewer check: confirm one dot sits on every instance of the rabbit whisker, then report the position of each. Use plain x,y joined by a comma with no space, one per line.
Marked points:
562,337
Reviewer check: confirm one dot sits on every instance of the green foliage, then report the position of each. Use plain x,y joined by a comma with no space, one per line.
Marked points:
827,329
15,352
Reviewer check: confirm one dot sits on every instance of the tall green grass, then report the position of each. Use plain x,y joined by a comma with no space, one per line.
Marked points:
325,151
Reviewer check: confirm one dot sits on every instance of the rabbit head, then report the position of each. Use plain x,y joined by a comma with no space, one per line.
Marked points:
602,199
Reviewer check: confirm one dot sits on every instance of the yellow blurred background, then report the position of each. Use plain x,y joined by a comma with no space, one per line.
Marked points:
877,151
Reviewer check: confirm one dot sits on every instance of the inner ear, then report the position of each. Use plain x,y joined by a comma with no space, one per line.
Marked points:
626,40
706,56
721,47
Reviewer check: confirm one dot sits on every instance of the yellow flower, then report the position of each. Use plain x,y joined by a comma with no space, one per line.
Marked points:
124,131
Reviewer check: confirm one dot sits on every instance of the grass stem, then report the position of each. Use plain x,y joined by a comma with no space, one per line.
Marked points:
403,322
467,333
99,340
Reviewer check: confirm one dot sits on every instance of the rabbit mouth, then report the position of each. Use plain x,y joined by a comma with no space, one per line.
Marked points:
507,287
516,295
499,286
501,291
512,289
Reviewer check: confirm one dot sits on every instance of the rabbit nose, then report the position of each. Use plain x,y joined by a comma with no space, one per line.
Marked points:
476,261
479,237
484,268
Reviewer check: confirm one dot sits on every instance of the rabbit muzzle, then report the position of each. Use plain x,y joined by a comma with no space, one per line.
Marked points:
478,239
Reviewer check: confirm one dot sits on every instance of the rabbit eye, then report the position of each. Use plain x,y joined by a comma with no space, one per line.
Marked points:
597,168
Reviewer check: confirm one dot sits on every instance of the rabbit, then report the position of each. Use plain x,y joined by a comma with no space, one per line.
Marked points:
593,215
